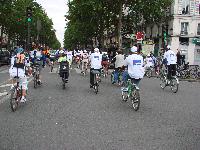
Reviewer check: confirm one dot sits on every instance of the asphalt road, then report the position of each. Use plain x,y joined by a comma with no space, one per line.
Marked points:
78,119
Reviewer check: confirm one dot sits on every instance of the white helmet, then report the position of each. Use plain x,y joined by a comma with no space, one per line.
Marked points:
96,50
85,51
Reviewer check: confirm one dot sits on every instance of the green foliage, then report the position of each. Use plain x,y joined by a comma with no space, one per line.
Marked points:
90,18
13,19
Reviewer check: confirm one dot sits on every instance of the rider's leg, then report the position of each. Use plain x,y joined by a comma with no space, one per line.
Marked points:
116,75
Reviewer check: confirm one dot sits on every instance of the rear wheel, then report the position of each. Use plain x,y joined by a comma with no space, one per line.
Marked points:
96,88
174,85
135,99
13,100
35,81
63,80
163,82
149,73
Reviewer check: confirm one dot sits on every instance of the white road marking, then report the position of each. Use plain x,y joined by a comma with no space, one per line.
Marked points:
6,85
4,93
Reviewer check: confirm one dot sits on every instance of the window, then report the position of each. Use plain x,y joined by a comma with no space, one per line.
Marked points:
198,29
185,4
184,28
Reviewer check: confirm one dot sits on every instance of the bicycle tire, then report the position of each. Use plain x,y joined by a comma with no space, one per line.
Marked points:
51,68
135,99
13,100
149,73
124,96
174,83
63,82
35,81
162,82
96,88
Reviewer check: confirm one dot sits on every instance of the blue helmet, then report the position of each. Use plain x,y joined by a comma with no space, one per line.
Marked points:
19,50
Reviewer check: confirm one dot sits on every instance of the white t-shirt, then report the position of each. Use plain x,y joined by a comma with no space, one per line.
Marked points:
149,62
171,57
69,55
96,59
119,61
135,66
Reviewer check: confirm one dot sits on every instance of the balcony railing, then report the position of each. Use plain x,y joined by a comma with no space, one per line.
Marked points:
184,33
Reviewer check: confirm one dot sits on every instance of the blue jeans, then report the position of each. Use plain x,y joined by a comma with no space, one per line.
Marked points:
125,77
116,75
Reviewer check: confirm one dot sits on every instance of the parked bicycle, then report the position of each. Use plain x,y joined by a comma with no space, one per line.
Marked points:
131,91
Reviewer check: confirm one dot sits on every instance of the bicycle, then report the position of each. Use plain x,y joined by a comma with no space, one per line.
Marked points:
36,74
64,70
149,72
131,91
84,68
174,82
96,80
16,94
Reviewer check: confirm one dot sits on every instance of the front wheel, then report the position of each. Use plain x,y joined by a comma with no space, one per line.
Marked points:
13,100
63,81
135,99
174,85
149,73
112,78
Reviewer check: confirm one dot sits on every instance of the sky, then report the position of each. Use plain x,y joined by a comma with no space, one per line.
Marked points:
56,9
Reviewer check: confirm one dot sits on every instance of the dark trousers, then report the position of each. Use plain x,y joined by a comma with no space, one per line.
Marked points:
64,73
171,71
92,75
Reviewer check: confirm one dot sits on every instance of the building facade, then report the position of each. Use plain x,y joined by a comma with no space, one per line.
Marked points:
183,30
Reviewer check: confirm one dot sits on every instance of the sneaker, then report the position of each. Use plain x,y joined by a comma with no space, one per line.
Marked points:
39,82
23,99
66,80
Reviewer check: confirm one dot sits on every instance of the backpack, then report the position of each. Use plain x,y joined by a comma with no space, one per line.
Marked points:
104,58
19,61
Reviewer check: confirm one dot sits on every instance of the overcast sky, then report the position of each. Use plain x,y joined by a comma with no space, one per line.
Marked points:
56,9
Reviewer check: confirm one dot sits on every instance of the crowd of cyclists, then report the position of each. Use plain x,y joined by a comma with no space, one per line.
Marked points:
132,65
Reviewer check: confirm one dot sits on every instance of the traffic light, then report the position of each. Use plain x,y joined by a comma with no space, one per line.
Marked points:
29,14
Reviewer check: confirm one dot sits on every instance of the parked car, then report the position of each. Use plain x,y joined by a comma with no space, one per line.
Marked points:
4,57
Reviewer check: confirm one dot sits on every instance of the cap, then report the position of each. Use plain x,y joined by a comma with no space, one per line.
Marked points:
134,49
96,50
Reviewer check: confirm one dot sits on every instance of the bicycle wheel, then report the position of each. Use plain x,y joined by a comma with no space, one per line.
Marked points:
51,67
135,99
174,85
149,73
193,74
162,82
13,99
63,81
96,88
35,81
124,96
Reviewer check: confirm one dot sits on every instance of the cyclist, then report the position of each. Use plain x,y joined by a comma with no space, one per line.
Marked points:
69,58
37,59
63,60
95,61
85,60
17,69
119,63
135,66
171,60
105,63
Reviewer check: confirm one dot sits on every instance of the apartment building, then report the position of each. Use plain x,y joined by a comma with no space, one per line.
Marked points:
183,30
